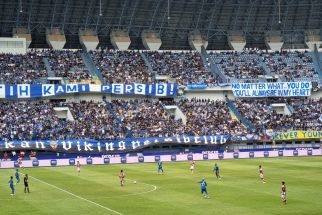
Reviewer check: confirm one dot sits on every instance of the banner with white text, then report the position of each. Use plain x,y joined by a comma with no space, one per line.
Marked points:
274,89
99,146
45,90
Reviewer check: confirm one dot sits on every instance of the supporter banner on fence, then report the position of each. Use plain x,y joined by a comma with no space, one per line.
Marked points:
44,90
297,135
118,159
276,89
197,86
95,146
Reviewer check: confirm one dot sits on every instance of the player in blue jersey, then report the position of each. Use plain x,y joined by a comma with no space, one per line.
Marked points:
203,186
216,170
17,176
11,186
160,167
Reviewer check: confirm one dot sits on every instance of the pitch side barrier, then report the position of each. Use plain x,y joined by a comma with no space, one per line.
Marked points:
207,155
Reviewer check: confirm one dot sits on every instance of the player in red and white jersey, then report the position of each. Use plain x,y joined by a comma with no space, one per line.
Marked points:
20,163
122,177
78,166
283,192
261,173
192,166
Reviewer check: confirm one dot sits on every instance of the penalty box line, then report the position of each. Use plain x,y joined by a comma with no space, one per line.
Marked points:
76,196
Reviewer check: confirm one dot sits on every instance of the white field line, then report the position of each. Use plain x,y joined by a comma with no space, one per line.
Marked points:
76,196
140,193
79,197
107,197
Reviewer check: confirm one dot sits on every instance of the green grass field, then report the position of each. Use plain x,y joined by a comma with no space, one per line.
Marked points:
58,190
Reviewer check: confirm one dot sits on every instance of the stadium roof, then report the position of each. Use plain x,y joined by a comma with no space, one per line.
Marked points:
212,17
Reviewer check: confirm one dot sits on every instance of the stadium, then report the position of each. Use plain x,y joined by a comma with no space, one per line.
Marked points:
160,107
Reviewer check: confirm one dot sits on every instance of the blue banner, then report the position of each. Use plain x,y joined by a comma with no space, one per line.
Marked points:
98,146
43,90
197,86
275,89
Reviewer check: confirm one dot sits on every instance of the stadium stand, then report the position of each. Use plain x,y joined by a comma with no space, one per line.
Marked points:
38,120
184,67
209,117
122,66
243,66
293,66
145,118
302,114
113,90
22,69
250,65
30,120
69,65
91,120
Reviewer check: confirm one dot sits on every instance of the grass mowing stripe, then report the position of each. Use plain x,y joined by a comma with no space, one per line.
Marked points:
154,188
76,196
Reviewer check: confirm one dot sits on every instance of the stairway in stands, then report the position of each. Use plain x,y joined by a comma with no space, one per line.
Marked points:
90,65
241,118
118,123
148,64
50,72
211,66
317,59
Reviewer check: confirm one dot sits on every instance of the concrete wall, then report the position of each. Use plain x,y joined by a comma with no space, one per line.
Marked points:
82,97
176,111
13,45
64,113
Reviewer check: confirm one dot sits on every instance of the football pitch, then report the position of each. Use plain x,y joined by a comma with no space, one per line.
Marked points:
58,190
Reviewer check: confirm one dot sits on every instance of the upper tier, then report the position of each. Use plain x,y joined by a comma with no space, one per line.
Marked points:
183,67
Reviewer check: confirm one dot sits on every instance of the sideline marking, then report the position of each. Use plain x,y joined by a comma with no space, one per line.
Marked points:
103,197
87,200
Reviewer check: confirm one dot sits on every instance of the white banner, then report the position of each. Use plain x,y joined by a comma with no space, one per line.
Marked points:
275,89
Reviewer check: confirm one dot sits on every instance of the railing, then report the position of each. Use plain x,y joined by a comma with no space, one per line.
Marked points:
317,61
290,108
242,119
264,66
213,67
148,64
89,63
50,72
110,109
118,123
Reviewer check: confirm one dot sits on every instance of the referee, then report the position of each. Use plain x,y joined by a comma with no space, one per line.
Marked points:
25,181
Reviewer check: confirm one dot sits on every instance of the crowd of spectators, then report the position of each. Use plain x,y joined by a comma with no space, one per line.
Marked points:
29,120
210,117
301,114
39,120
122,66
252,64
184,67
239,65
91,120
291,65
68,65
146,119
22,68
